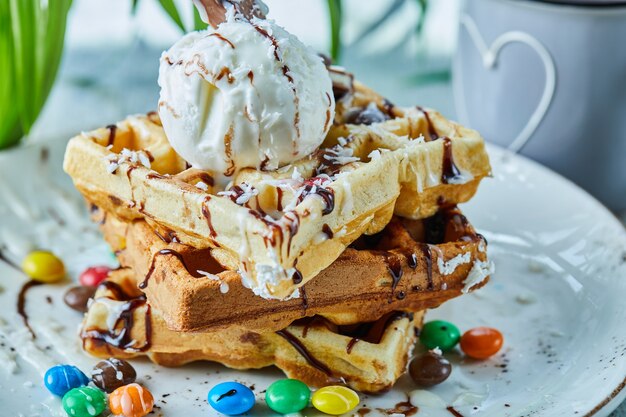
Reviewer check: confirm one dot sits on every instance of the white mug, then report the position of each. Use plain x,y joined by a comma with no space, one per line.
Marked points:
549,80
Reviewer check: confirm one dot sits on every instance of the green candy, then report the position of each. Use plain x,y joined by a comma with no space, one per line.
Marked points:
84,402
441,334
287,396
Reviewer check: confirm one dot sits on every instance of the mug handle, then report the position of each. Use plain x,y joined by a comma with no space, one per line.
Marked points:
490,56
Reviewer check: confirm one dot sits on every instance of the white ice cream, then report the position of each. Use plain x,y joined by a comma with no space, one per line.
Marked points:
247,94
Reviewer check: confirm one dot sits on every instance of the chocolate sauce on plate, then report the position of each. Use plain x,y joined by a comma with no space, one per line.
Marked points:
454,412
21,303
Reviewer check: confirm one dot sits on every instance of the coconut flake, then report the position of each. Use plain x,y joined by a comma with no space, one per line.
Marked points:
479,272
447,268
202,185
126,156
338,155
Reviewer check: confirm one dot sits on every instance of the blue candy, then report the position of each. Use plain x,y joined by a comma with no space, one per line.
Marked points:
61,378
231,398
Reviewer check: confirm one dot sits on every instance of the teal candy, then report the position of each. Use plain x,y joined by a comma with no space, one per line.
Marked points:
84,402
440,334
287,396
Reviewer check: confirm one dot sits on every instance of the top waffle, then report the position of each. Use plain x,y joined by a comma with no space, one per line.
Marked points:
281,228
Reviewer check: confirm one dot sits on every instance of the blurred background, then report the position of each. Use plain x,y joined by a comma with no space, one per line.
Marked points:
534,76
111,57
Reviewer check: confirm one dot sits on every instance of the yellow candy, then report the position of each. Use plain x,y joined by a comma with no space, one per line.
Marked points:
335,400
43,266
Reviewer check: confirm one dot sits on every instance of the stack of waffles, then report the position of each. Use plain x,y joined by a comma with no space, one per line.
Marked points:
323,268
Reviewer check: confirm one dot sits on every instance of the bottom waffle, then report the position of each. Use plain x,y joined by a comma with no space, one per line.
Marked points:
368,357
409,266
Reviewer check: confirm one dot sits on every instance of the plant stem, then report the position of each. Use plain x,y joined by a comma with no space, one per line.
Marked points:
335,14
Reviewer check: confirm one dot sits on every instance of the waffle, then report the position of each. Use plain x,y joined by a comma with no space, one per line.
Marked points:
409,266
270,225
368,357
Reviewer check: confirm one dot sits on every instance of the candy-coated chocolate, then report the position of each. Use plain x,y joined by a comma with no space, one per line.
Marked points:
84,402
110,374
481,342
61,378
77,297
287,396
429,369
440,334
131,400
231,398
335,400
94,275
43,266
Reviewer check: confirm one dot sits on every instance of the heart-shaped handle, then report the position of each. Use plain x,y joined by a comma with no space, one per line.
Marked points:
490,57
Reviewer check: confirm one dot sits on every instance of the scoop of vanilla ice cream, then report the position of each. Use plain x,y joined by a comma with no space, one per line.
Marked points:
247,94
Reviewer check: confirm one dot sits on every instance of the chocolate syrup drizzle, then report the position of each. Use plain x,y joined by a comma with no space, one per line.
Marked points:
428,259
207,215
168,237
181,258
123,339
327,231
220,37
112,132
312,361
154,175
371,332
431,129
21,303
285,70
449,170
394,266
327,194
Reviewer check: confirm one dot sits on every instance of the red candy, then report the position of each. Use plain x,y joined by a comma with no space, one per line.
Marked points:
481,342
93,276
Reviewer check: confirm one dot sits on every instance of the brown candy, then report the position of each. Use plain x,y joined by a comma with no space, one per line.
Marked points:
429,369
77,297
110,374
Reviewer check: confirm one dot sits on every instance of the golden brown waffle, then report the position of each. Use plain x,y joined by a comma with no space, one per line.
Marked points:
369,357
281,228
409,266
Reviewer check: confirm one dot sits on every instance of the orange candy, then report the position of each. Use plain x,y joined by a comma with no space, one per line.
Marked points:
131,400
481,342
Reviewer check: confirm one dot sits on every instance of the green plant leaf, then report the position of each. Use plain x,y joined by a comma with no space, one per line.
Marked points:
10,127
170,8
133,7
31,44
423,6
335,14
198,24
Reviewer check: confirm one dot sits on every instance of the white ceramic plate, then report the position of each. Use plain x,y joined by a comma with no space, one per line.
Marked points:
557,296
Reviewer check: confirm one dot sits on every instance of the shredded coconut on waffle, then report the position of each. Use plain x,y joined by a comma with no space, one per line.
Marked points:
127,156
